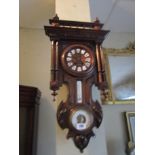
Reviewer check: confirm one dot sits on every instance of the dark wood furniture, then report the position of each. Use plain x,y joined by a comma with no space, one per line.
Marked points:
28,119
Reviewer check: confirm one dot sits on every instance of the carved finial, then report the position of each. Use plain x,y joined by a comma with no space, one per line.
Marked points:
97,26
56,17
97,20
105,94
54,95
55,22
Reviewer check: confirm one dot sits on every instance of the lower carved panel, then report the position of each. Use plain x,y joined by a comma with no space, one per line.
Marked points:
80,120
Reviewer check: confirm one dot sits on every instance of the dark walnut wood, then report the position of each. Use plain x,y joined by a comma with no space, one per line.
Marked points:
56,21
77,62
28,119
65,33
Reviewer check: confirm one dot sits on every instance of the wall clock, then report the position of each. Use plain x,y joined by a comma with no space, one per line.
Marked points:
77,61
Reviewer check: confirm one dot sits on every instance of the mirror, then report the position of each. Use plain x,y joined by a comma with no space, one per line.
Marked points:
120,72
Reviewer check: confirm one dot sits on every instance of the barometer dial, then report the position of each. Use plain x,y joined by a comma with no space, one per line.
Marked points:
81,119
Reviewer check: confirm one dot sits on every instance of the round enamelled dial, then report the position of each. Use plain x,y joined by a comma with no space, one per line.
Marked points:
81,118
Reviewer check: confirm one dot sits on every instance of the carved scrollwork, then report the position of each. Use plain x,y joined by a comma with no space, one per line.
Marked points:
81,141
62,115
80,138
98,115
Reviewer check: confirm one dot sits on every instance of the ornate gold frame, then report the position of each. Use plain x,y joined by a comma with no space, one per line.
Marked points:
131,140
115,52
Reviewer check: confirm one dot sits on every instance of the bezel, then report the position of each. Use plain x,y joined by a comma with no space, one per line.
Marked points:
76,108
86,72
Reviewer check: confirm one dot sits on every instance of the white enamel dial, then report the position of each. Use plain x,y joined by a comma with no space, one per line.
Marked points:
81,120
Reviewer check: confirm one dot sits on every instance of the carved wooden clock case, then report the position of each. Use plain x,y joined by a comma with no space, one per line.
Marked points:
77,61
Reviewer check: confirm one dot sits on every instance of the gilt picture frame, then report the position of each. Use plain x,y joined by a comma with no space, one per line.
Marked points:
130,124
111,98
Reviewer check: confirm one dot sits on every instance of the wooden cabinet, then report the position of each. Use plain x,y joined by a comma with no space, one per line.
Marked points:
28,119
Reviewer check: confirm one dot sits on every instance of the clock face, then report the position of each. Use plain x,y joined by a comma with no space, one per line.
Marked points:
78,59
81,119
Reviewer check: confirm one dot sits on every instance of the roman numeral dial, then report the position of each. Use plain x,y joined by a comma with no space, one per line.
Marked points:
78,59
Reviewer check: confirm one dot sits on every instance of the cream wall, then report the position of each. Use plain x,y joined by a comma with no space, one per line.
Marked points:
73,9
35,71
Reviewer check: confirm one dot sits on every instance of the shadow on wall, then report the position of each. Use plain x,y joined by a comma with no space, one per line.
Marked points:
46,128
